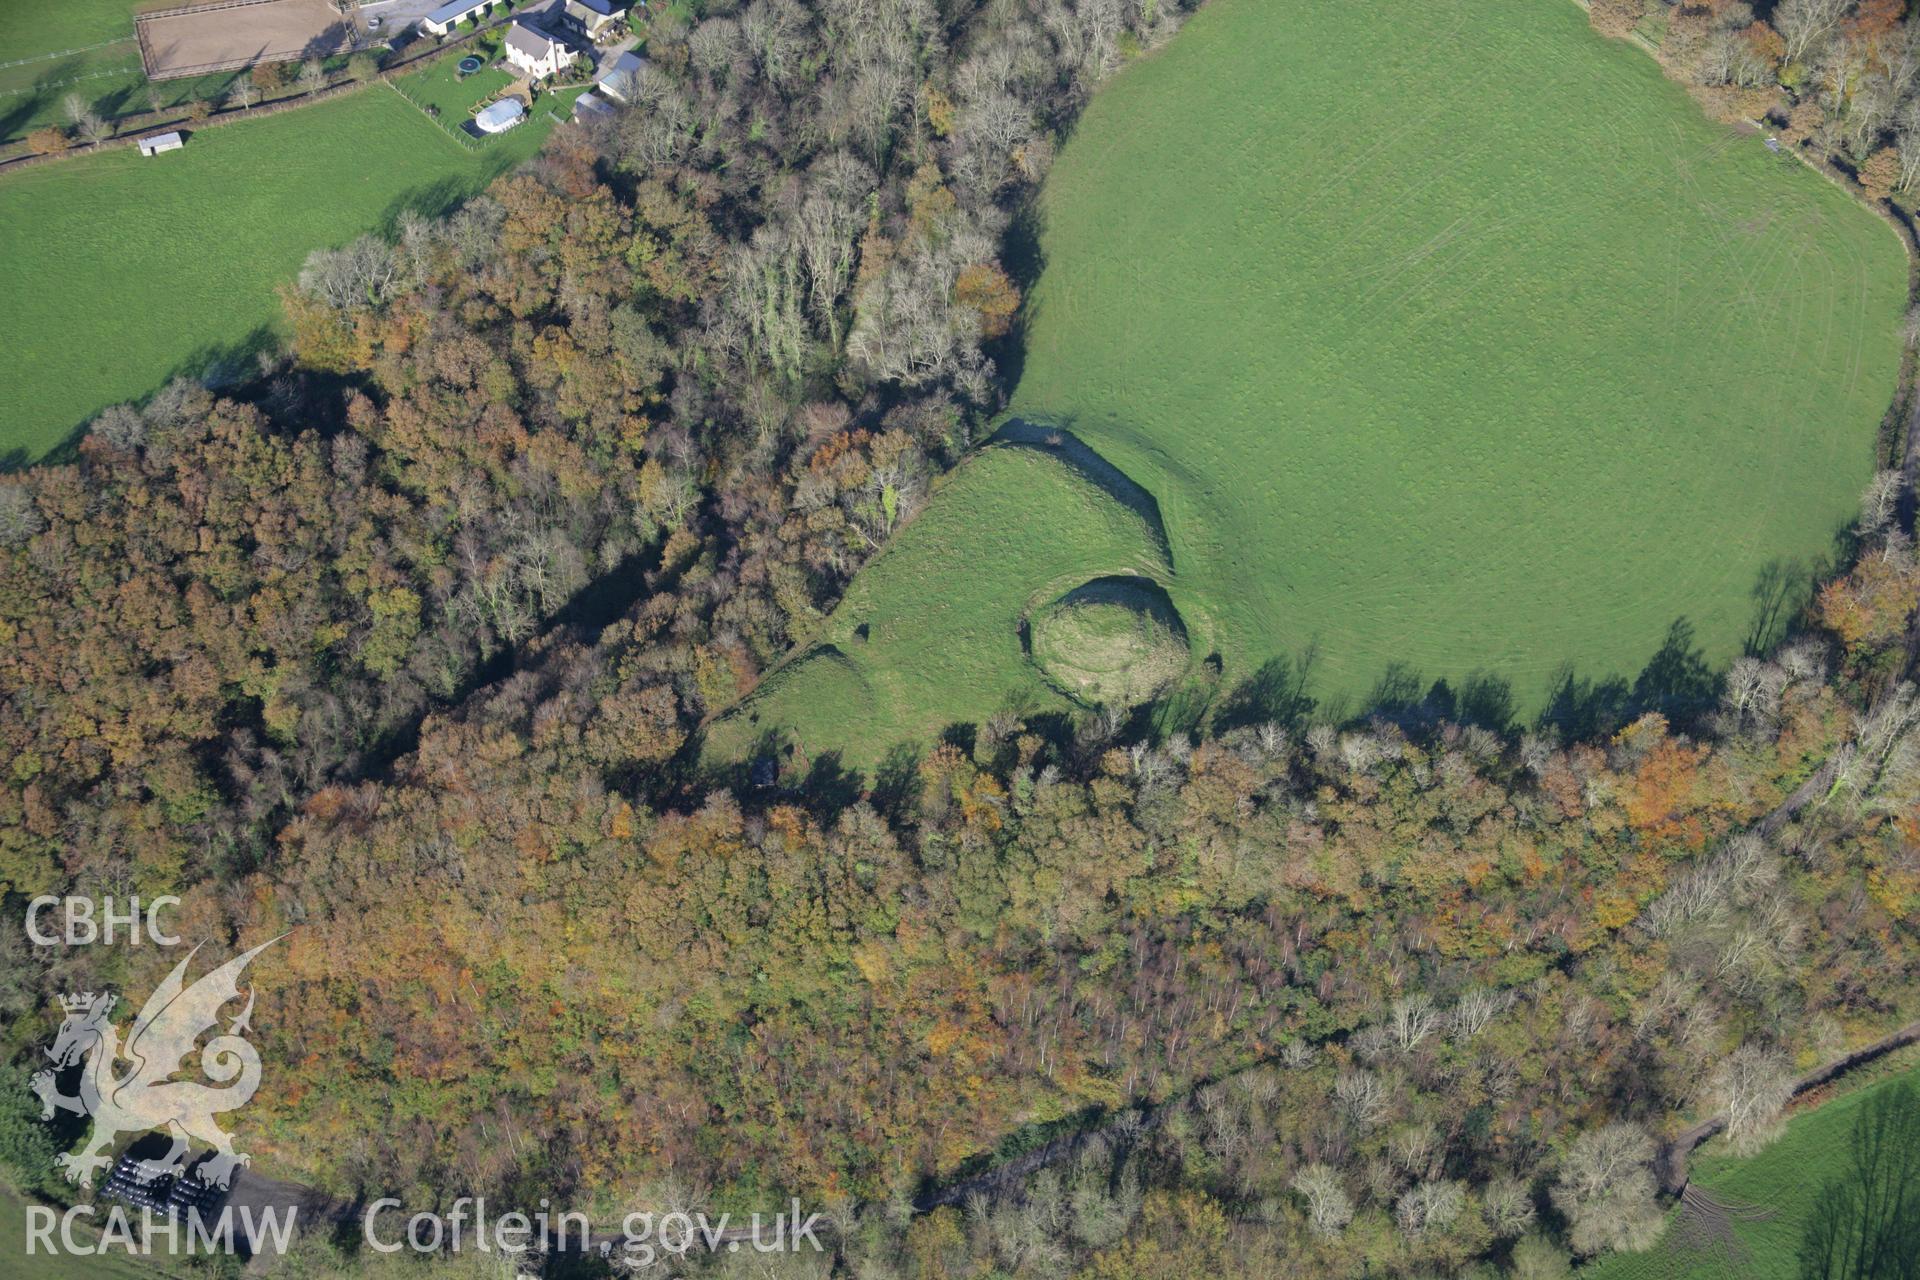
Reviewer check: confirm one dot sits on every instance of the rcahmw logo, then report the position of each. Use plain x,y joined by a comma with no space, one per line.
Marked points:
141,1097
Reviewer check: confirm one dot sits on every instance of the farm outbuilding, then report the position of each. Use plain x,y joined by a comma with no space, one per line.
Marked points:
452,14
618,80
154,143
590,106
592,17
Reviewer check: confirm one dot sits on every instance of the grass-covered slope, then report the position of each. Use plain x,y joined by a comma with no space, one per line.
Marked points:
1448,336
120,271
905,655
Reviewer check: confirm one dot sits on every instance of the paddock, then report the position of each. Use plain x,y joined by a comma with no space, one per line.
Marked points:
202,39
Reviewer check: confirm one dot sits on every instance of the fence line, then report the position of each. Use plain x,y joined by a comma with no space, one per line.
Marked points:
465,140
181,10
226,64
64,53
56,84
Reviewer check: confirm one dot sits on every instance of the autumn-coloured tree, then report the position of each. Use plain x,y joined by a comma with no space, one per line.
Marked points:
1616,19
1880,173
985,289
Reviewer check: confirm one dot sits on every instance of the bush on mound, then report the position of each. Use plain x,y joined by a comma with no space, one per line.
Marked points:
1114,640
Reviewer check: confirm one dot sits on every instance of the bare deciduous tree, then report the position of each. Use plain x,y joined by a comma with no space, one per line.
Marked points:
1431,1206
1361,1097
86,121
1752,1086
1411,1020
1328,1206
1606,1190
1804,25
1508,1206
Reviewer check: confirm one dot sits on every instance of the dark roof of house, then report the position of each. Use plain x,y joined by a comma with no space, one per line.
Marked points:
529,39
605,8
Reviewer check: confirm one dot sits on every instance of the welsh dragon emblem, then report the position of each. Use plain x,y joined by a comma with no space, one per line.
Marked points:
142,1097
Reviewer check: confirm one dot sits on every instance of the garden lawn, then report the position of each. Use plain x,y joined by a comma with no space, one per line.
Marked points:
122,271
1784,1180
441,85
1450,342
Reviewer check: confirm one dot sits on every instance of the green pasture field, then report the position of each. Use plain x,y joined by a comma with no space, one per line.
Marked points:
1454,347
83,47
33,30
122,271
1772,1195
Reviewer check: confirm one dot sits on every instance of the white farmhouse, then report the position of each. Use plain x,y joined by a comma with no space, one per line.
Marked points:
535,53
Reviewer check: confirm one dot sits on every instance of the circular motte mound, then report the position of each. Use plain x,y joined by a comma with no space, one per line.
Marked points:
1114,641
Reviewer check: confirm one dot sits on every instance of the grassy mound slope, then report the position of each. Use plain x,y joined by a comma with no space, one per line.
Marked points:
1115,641
1459,343
905,654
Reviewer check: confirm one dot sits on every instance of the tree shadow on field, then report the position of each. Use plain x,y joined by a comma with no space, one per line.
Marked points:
897,783
1677,682
1863,1226
1024,258
1276,692
48,87
16,114
114,103
227,368
435,199
829,787
1482,699
1780,591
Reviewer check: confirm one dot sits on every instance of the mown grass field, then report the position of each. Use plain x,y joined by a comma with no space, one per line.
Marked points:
122,271
1455,344
1784,1180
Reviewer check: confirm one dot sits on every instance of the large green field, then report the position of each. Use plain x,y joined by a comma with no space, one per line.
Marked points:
121,271
1771,1198
1465,345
